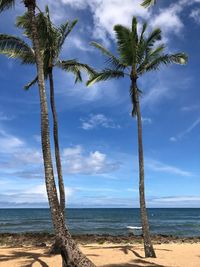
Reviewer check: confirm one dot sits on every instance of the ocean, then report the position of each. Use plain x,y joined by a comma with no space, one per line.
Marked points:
178,222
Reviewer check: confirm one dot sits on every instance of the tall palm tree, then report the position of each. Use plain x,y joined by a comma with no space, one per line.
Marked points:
51,39
137,54
70,252
148,3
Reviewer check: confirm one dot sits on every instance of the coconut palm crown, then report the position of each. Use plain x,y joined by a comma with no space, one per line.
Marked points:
138,53
51,39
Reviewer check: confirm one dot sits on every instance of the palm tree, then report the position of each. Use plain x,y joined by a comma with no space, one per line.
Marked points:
148,3
52,39
72,256
137,54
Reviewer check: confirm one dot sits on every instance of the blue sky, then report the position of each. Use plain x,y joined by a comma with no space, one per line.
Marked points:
97,134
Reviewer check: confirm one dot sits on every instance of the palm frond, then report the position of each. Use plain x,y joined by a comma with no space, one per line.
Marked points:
141,48
112,59
150,55
44,25
14,47
134,39
134,30
124,44
30,84
105,75
23,22
154,36
76,68
144,27
178,58
148,3
6,4
65,30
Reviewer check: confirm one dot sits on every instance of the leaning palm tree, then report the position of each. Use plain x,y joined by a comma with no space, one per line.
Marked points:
72,256
51,39
137,54
148,3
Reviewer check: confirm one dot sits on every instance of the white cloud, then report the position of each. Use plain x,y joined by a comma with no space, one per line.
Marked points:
9,143
173,139
34,194
76,161
79,4
18,159
195,15
4,117
29,156
73,151
108,13
174,201
146,120
192,127
41,190
168,19
98,120
111,12
37,138
187,131
157,166
177,199
160,88
79,43
155,95
190,108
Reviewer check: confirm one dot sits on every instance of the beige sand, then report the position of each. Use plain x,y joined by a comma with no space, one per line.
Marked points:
168,255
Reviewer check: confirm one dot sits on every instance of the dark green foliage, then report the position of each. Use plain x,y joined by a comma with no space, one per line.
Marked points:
138,53
51,40
6,4
148,3
16,48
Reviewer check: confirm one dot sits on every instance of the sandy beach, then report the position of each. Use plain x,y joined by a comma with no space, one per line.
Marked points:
107,255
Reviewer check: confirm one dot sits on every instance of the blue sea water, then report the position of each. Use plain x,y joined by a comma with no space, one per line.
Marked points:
179,222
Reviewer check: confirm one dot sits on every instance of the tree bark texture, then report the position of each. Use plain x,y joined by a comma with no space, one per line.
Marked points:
56,144
148,247
70,252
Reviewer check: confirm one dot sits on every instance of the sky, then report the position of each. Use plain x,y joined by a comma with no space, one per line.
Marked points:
98,136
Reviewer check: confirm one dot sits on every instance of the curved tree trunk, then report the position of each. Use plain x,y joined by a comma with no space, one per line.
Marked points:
56,144
70,252
148,247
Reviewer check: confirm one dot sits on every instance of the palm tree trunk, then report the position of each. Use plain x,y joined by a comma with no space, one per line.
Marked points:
70,252
148,247
56,144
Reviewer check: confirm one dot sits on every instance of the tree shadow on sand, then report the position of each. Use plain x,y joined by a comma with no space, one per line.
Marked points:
140,261
30,258
126,249
136,263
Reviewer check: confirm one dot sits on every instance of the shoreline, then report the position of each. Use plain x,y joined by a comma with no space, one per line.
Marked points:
42,239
